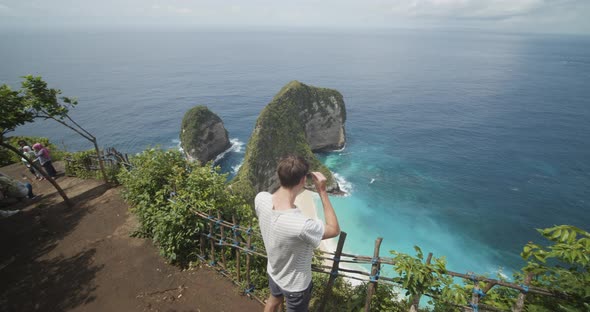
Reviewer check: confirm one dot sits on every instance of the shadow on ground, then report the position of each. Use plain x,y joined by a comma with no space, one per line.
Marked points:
31,280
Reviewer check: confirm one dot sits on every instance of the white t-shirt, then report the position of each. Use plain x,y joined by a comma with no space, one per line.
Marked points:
289,239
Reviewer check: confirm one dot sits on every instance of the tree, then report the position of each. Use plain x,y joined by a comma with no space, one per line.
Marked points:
43,102
14,112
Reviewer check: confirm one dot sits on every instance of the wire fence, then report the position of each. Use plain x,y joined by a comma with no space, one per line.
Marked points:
224,234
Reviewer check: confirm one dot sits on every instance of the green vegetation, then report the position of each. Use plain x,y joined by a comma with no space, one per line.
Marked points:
418,277
346,297
83,165
562,266
165,190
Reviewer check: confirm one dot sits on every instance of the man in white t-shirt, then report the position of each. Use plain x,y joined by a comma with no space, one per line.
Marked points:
290,237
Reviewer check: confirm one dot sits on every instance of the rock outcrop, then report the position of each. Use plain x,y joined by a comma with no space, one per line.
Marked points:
299,120
202,135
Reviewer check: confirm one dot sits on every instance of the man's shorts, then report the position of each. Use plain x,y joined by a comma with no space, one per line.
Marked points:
296,301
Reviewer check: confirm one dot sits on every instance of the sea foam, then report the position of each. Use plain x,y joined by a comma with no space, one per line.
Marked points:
237,167
344,184
236,146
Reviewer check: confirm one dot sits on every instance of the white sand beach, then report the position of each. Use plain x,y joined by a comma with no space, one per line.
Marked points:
305,201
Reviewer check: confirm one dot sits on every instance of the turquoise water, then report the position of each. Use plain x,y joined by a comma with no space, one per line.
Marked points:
459,142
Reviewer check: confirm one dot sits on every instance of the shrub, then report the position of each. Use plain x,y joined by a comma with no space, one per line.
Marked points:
80,164
165,190
561,266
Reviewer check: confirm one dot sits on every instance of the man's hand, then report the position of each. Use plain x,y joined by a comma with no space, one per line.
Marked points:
331,228
319,180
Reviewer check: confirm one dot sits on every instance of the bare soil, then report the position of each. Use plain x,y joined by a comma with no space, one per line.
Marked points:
83,259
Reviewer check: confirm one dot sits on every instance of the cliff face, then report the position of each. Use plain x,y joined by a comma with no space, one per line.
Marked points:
202,135
299,120
324,121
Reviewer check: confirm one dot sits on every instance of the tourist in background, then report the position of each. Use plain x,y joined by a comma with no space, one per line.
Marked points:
22,144
44,159
290,237
27,151
11,188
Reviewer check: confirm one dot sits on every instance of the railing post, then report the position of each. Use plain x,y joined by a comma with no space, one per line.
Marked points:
519,306
222,241
334,272
375,268
416,299
475,297
202,244
248,246
236,242
211,238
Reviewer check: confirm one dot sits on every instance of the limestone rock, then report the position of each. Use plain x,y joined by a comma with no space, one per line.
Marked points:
299,120
202,135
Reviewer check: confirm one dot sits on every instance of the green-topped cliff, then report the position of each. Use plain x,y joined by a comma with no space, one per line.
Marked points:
202,134
299,120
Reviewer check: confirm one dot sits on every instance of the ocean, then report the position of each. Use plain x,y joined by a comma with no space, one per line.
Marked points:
460,142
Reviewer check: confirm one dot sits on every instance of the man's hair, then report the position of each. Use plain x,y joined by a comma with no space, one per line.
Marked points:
291,169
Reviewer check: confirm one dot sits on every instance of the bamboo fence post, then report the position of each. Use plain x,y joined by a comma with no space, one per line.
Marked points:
248,247
211,238
519,306
416,300
334,272
222,241
202,245
475,296
374,274
236,243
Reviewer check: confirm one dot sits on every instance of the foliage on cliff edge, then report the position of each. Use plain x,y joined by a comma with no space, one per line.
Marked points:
164,190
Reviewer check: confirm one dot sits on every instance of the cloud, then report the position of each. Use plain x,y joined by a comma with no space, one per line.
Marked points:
171,9
569,16
464,9
5,10
180,10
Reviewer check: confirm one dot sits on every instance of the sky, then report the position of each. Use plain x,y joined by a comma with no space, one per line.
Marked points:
542,16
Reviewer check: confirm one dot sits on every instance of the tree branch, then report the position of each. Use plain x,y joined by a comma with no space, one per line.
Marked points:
74,129
77,125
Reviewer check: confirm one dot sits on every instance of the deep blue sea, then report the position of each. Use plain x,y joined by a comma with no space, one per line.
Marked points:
460,142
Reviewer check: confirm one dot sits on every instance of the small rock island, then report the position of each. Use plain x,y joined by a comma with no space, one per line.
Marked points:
202,135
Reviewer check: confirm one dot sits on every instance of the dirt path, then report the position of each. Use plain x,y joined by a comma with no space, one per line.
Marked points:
83,259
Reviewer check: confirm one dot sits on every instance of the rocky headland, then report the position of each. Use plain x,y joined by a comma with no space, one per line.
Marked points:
300,120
